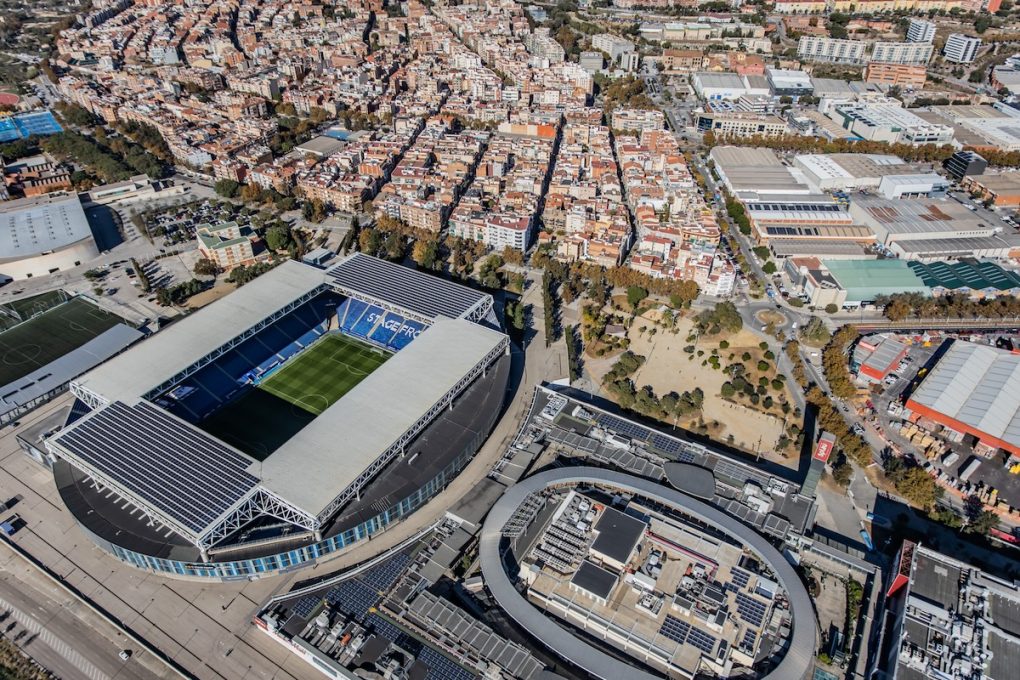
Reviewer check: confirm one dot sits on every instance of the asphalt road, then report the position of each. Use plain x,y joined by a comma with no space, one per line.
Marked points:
57,639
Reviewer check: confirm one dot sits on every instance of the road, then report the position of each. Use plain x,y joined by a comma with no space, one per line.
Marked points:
51,632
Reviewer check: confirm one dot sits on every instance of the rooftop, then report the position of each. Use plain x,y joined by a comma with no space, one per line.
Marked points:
329,453
33,226
983,275
414,291
978,386
892,274
163,356
617,535
594,579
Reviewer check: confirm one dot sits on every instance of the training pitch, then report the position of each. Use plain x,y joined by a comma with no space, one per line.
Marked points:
317,378
49,336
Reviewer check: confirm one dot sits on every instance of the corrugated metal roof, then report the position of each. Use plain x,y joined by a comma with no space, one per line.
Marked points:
979,386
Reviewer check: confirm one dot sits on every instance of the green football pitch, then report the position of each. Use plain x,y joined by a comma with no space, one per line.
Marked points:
49,336
317,378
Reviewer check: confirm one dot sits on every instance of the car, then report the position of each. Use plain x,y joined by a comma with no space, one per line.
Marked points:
125,654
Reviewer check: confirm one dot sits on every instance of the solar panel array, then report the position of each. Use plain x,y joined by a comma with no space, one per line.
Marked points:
701,640
425,294
384,575
750,610
305,606
740,577
747,642
440,667
674,449
190,477
675,629
352,597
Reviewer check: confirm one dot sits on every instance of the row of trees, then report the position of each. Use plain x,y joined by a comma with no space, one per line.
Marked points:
178,293
834,363
929,153
905,305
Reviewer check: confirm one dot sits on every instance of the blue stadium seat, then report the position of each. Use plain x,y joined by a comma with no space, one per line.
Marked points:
367,321
354,312
387,328
408,332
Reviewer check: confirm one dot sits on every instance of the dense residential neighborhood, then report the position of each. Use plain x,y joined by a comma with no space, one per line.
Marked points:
452,339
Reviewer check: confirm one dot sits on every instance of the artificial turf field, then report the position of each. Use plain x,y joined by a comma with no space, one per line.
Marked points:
49,336
317,378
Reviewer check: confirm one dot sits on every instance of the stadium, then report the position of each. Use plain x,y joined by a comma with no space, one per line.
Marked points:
306,411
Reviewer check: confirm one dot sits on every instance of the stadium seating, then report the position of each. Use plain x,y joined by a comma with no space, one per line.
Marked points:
271,346
350,312
387,328
408,332
367,322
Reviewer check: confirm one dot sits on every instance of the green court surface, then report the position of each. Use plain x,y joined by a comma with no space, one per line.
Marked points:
317,378
51,335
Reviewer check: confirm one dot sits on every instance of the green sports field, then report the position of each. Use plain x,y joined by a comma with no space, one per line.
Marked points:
49,336
317,378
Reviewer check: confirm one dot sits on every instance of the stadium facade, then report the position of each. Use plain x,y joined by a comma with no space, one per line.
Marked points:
150,470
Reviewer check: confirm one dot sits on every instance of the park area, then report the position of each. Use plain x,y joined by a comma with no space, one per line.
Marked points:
679,360
264,418
50,334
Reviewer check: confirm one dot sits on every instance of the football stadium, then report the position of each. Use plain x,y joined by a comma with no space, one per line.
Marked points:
304,412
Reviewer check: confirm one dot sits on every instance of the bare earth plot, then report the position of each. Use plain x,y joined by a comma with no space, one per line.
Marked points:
667,369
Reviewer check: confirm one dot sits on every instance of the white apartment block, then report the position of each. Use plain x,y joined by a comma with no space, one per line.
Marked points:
921,31
637,119
815,48
613,45
907,53
961,49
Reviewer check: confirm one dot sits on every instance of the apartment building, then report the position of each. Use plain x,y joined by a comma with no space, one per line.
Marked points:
228,244
740,124
921,31
961,49
908,53
816,48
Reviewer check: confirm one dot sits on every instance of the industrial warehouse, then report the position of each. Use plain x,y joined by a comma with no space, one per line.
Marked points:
284,422
974,390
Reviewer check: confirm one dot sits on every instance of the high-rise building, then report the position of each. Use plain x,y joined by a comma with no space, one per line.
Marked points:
920,31
961,49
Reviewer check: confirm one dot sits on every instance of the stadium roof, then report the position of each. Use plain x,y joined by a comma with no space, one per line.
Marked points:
187,477
973,275
406,288
167,353
32,226
978,386
64,369
318,463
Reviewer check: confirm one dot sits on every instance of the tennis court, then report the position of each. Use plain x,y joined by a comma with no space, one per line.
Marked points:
50,335
22,125
318,377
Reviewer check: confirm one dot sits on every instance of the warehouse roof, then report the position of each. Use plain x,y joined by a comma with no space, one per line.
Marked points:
971,275
978,386
893,274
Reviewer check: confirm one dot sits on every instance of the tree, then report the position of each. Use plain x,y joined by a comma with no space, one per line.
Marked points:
842,473
206,267
918,487
227,188
831,308
635,294
769,267
425,253
897,309
314,210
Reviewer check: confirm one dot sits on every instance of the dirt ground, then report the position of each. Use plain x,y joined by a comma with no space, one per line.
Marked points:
668,369
212,295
